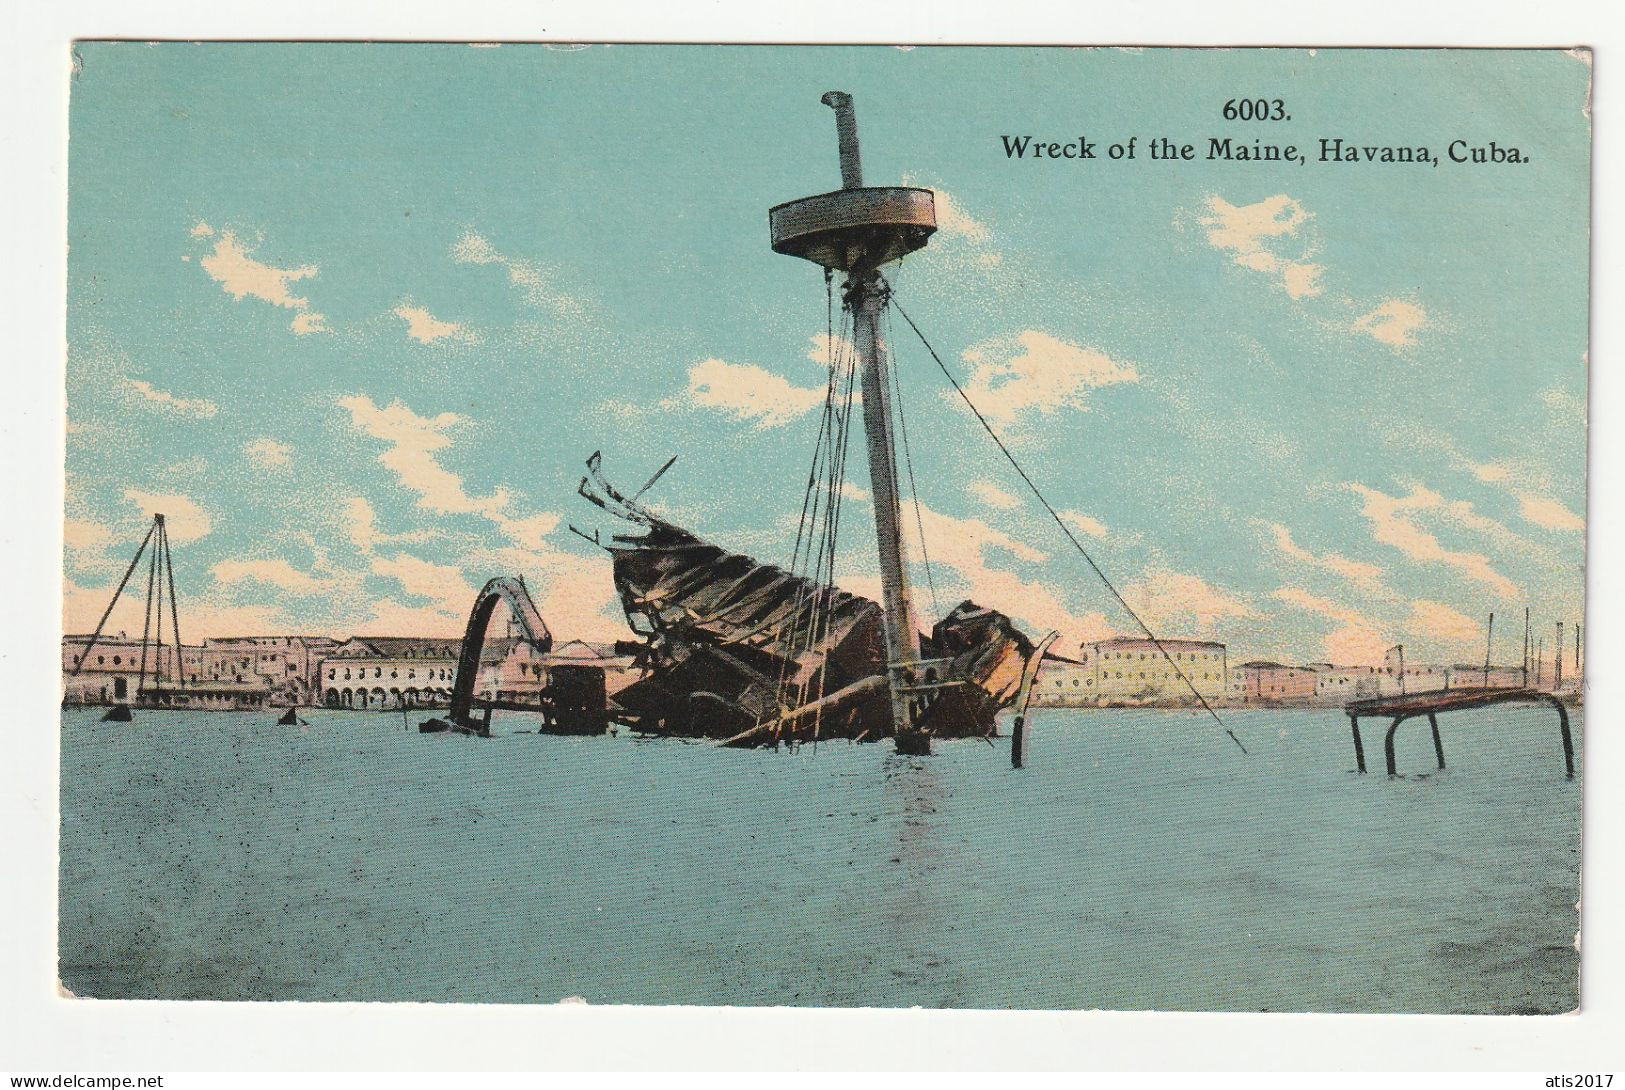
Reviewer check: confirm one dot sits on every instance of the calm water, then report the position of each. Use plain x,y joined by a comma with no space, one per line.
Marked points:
1139,862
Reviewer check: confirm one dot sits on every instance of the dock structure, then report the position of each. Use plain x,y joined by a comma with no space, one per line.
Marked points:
1415,705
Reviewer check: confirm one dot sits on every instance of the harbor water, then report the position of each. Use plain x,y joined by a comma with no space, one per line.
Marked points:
1140,861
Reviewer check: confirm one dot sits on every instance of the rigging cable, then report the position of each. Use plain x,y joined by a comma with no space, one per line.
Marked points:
908,461
146,624
174,608
117,594
1011,458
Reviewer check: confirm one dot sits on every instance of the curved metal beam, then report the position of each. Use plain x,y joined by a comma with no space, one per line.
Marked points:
509,589
1029,674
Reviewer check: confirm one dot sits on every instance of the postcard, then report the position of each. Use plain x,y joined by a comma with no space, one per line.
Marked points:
1039,528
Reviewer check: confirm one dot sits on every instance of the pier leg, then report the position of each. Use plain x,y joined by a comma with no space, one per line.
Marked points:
1388,745
1018,741
1568,739
1359,746
1438,746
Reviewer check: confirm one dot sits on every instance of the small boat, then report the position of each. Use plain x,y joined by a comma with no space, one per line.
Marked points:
118,713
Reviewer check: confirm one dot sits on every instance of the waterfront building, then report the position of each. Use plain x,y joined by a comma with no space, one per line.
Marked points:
115,674
1263,682
516,669
287,666
114,670
389,672
1128,671
1337,685
1467,676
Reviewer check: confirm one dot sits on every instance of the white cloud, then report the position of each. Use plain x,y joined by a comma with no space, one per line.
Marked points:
267,452
201,614
528,276
1083,523
442,584
1547,513
240,276
1394,323
308,321
274,572
1367,577
1393,523
1035,371
1524,481
1356,641
198,407
992,495
425,328
1448,626
1253,233
750,393
185,520
85,543
413,442
1177,602
953,220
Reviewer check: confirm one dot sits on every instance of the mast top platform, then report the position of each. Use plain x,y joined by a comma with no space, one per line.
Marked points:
856,228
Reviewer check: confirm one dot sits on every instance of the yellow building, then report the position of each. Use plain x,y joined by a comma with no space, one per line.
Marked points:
1126,671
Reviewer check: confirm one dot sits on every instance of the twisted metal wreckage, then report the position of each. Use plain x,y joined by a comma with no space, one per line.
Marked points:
751,654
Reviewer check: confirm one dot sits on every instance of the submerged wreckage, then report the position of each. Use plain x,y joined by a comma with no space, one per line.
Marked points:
752,654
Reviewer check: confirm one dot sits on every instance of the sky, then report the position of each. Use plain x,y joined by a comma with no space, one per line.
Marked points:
353,317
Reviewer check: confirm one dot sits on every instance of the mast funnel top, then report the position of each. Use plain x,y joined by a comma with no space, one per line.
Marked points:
856,228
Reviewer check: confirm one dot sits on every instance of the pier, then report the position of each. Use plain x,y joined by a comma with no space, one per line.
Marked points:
1414,705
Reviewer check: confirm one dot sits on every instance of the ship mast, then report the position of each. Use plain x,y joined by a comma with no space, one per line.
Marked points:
857,229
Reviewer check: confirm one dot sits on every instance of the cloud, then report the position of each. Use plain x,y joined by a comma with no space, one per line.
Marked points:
267,452
750,393
1367,577
201,614
1013,375
240,276
390,617
823,346
274,572
1356,640
85,543
992,495
1438,621
1521,480
442,584
1084,523
973,552
1169,601
413,442
1547,513
961,240
528,276
1252,234
425,328
1392,523
1394,323
198,407
952,219
185,520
